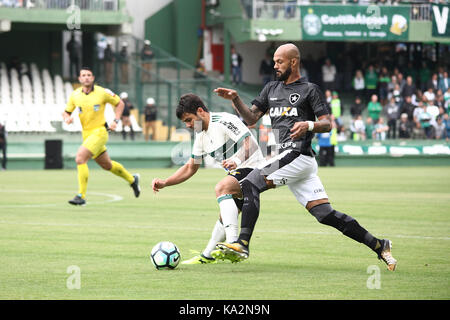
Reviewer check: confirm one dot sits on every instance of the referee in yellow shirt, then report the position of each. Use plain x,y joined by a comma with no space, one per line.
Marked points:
90,100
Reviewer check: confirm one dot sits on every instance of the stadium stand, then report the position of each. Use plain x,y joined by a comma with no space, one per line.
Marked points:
34,102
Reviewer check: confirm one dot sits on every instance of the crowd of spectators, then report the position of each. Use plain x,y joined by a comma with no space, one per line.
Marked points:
376,94
388,106
382,98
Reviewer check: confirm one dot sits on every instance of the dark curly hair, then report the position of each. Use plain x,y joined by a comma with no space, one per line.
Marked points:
189,103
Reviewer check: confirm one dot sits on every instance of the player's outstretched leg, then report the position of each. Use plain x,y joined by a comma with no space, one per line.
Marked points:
325,214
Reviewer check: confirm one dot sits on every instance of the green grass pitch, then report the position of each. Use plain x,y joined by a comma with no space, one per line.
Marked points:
292,255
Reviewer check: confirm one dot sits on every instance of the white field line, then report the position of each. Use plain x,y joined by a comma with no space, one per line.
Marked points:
78,225
110,198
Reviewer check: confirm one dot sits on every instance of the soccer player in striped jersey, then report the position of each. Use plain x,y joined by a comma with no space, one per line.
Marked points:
90,100
227,139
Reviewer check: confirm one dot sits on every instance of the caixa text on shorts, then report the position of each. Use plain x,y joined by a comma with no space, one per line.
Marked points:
246,309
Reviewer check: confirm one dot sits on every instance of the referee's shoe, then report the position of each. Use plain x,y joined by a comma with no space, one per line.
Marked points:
135,185
78,201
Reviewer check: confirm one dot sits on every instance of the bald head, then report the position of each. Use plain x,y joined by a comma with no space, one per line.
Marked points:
289,51
287,62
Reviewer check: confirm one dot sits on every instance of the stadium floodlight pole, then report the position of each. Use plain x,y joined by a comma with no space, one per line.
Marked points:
254,9
226,53
169,110
116,68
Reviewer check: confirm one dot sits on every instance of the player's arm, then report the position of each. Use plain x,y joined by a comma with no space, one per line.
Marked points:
67,117
67,113
118,114
181,175
323,124
322,112
250,115
246,150
119,109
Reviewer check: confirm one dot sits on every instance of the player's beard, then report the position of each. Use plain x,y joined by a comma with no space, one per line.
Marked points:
199,125
285,75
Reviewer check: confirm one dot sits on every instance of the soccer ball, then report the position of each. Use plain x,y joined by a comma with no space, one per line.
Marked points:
165,255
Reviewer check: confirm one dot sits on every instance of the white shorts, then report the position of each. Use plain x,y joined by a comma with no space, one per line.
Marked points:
300,175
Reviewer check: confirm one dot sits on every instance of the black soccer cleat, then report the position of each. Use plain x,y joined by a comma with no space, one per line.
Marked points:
135,185
78,201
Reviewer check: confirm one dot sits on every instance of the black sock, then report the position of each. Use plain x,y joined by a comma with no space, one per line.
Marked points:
250,211
239,203
352,229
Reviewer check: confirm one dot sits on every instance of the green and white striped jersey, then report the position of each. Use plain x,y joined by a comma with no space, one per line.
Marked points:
224,139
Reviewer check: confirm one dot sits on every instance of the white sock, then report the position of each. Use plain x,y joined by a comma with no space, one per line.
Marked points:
217,235
229,213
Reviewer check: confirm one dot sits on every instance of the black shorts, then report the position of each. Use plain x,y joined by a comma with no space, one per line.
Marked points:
240,174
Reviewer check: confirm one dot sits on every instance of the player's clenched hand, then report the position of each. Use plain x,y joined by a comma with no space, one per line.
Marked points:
112,126
229,164
158,184
299,129
68,120
225,93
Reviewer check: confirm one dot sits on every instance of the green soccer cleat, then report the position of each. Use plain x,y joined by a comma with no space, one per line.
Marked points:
78,201
235,252
135,185
200,259
221,255
218,255
386,255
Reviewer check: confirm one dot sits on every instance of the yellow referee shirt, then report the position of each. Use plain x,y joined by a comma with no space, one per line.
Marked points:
91,106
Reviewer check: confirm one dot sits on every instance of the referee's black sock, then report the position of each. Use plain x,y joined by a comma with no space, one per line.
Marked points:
250,211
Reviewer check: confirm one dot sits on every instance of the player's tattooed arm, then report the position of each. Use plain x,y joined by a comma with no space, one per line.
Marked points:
323,124
250,115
